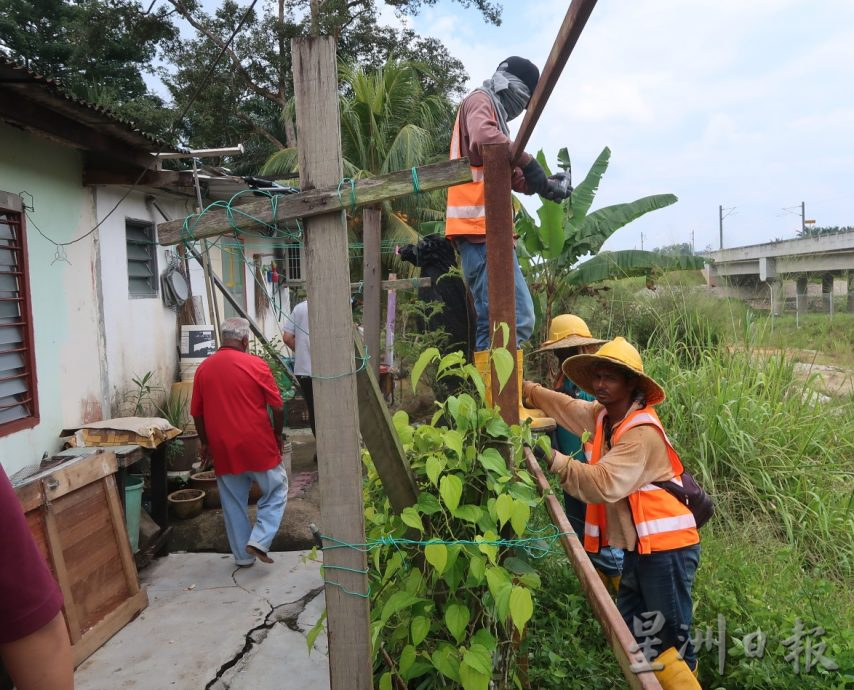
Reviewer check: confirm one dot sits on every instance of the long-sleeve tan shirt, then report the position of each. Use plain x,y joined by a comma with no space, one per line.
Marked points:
638,458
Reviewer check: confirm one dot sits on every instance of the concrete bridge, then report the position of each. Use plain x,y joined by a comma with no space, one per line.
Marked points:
800,269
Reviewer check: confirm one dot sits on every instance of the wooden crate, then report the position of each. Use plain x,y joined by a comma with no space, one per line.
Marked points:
77,520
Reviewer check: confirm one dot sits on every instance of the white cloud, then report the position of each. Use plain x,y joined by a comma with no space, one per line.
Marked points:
745,104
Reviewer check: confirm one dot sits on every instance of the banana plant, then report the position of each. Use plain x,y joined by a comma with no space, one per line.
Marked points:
549,251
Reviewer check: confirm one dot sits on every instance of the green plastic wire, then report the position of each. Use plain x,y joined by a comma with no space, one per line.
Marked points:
416,184
352,193
532,546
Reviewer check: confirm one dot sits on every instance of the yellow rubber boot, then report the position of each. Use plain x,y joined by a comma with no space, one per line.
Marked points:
539,421
676,674
481,363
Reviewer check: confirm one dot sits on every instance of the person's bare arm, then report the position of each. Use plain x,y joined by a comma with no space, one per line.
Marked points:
278,425
42,660
204,454
290,340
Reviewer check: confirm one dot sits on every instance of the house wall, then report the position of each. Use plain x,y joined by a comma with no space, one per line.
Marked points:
69,349
140,332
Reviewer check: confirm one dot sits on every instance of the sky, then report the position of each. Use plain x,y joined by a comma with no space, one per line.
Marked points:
747,105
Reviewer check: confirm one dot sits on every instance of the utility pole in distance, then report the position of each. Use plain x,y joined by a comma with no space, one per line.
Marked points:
803,219
721,216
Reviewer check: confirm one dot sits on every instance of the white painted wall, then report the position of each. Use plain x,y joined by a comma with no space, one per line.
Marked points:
69,350
140,332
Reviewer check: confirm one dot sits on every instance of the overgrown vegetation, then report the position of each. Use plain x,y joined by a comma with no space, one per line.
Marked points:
779,461
454,617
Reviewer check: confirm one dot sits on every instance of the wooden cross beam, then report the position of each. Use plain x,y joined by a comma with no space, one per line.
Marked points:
256,215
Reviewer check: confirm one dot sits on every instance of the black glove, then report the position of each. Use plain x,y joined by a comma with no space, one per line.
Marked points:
535,177
557,188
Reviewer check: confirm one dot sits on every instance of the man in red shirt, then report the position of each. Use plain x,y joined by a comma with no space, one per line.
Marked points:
34,644
231,393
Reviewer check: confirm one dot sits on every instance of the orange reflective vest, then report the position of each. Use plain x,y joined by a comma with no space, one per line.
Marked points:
465,214
661,520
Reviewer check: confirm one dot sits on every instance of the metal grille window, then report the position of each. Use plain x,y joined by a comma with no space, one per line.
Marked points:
18,399
293,266
142,259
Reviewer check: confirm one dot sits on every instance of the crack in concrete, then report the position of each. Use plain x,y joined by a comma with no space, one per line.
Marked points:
287,613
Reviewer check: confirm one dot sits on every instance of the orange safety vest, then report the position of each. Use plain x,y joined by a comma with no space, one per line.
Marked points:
661,520
466,213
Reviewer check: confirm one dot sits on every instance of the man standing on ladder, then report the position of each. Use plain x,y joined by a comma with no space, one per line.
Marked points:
482,119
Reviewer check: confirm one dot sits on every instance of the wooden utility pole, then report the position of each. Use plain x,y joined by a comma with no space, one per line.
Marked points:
371,231
501,257
333,367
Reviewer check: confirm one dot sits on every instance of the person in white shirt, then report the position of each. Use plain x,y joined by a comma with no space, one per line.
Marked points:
295,335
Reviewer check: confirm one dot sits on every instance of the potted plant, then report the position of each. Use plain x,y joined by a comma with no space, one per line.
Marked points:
182,451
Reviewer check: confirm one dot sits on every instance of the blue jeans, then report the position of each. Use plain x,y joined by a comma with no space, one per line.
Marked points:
660,582
473,257
234,497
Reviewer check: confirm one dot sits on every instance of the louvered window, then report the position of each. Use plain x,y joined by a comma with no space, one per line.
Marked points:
142,259
18,399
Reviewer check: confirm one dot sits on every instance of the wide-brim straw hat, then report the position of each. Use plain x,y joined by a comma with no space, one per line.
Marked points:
581,368
568,330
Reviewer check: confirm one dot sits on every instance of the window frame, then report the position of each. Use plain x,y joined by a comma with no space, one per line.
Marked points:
147,227
11,204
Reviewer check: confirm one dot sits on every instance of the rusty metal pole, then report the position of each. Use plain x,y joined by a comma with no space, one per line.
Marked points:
500,267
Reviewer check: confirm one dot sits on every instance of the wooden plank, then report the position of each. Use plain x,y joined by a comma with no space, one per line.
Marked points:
117,516
381,440
617,634
60,571
500,268
333,364
371,229
109,626
573,23
31,495
401,284
103,590
93,175
320,198
70,477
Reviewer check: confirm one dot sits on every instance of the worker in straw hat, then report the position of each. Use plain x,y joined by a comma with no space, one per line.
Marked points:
570,336
627,451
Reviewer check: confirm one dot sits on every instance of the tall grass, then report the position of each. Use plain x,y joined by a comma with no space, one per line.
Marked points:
762,441
779,461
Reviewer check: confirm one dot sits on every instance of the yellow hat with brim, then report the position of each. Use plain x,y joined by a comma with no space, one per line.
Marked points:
568,330
569,341
582,368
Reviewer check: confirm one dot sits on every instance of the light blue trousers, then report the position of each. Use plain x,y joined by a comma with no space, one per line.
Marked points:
473,260
234,497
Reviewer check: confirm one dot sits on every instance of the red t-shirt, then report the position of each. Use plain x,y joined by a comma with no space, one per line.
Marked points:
231,391
29,596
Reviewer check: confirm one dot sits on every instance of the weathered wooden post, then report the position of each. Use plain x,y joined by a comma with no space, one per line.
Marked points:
333,367
500,258
371,231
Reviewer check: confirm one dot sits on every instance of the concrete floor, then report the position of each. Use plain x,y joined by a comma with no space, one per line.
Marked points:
211,625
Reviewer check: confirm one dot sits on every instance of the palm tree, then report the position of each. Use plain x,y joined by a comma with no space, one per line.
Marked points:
389,122
568,231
